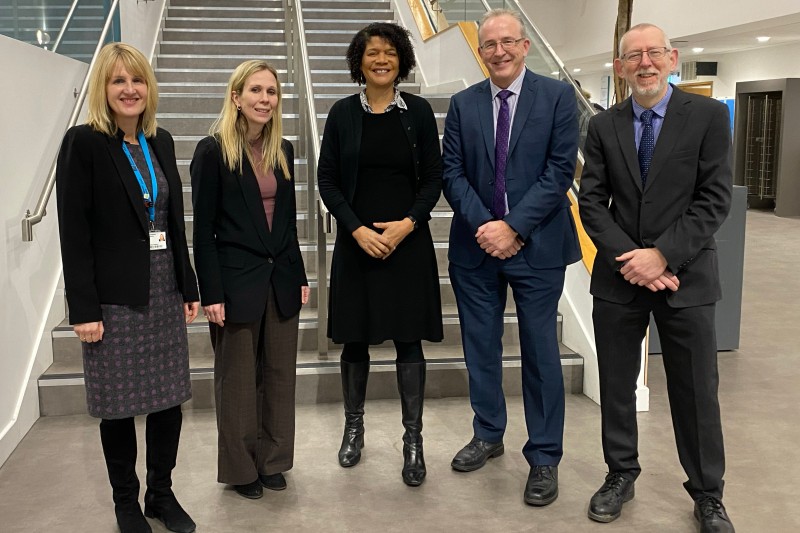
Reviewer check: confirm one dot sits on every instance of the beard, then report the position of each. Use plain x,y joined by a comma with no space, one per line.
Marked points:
650,90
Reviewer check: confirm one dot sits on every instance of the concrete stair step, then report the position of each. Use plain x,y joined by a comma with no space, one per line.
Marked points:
223,48
205,87
335,12
252,34
300,178
320,381
328,24
226,62
221,11
199,75
241,4
346,4
185,144
254,21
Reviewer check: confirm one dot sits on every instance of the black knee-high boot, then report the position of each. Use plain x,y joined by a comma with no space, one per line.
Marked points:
354,389
119,448
163,435
411,383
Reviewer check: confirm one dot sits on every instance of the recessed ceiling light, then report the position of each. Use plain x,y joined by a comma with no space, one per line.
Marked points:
697,49
762,39
576,70
608,65
554,73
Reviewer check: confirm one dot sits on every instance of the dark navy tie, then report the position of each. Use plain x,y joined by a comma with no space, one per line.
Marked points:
501,155
646,144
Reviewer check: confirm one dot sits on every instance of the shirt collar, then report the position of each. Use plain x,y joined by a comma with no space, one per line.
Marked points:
397,102
515,87
660,108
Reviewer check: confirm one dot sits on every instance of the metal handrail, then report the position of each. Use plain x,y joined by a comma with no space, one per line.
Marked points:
323,218
64,26
41,206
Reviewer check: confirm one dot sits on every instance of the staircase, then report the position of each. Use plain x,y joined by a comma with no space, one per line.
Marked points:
202,41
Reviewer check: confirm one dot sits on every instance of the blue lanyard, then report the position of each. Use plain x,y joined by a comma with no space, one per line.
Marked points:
150,203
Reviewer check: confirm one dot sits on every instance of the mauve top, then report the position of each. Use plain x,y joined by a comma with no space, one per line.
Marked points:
267,183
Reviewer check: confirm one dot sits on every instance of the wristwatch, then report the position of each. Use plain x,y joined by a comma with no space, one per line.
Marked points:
413,220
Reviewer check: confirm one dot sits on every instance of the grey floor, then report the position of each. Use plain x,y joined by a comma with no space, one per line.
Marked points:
56,481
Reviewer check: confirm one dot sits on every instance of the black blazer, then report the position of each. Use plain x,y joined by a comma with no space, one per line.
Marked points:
687,197
103,223
337,171
235,253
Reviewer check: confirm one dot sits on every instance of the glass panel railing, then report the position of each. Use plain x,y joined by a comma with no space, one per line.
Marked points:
68,27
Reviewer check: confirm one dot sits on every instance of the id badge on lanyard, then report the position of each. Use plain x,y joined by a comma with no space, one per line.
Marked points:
158,238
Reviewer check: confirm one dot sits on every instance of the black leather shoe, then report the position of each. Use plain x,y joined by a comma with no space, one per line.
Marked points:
711,514
252,490
606,504
542,486
272,481
475,454
162,505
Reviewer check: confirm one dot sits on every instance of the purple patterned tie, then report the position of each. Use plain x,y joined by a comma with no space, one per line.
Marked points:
501,156
647,144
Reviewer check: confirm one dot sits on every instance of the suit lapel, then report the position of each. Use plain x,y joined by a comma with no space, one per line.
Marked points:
674,123
255,206
527,95
486,117
623,126
129,181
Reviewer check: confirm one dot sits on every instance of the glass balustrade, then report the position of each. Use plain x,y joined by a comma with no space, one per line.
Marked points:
68,27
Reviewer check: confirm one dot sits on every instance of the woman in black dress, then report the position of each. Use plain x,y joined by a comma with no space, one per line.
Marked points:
380,175
129,284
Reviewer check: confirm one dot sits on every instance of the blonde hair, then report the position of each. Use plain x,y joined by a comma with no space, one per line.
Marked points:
230,128
101,118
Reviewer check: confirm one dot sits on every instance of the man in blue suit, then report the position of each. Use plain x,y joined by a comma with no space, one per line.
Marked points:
510,146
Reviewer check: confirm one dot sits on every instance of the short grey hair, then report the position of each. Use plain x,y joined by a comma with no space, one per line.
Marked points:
640,27
494,13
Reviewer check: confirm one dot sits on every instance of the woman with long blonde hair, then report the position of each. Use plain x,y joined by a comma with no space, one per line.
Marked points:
252,279
129,284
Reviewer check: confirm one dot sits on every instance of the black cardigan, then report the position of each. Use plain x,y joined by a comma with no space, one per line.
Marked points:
103,224
337,171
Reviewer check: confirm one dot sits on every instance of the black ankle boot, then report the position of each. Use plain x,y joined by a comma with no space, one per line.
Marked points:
163,435
411,383
354,389
118,438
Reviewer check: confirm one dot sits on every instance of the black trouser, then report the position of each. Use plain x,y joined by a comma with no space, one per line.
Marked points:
688,341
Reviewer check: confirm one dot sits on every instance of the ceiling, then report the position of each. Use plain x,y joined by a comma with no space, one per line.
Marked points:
782,31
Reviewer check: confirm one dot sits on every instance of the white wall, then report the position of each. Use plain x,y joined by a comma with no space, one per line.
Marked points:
762,64
583,28
140,23
36,94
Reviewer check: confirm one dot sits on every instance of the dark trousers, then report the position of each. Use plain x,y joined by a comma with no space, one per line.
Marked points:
481,299
254,385
688,342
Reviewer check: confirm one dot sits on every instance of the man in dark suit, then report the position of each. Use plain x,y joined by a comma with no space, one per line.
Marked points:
655,188
510,146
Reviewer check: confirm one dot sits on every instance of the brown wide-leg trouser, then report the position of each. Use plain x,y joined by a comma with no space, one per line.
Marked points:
254,385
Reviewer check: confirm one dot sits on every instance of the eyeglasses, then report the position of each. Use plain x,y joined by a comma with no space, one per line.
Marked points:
507,44
655,54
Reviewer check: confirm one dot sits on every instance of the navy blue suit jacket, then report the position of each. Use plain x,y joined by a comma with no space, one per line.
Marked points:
541,164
